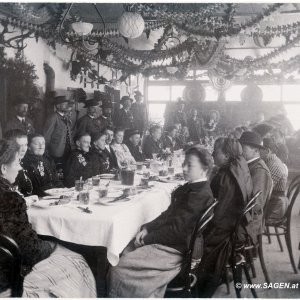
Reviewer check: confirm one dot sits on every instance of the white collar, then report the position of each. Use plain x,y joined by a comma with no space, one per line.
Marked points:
60,113
20,118
253,159
199,180
92,117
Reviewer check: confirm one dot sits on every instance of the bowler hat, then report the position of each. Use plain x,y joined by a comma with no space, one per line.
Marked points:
138,93
124,98
20,99
91,102
59,100
252,139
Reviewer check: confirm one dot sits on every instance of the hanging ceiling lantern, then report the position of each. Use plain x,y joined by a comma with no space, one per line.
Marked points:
131,25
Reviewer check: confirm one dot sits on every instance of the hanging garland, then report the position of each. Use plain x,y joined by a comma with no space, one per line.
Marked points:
226,29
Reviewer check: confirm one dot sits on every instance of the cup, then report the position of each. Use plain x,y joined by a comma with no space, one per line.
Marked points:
139,166
95,181
145,182
127,177
147,164
88,185
79,185
102,192
84,197
171,170
163,172
146,174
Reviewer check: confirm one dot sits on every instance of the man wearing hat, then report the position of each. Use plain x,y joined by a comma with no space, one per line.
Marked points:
134,144
124,116
139,111
91,123
20,119
179,116
57,132
252,143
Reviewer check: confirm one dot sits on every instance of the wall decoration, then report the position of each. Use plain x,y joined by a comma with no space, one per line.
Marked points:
194,93
252,94
131,25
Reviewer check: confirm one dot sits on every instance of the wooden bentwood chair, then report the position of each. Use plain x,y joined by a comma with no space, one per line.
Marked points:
11,256
186,280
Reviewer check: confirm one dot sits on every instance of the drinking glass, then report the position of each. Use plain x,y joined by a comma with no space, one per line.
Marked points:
79,185
84,197
95,181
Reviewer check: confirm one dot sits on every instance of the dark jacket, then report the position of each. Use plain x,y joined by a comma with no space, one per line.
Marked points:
89,125
173,227
262,181
58,135
232,187
179,117
23,182
136,151
139,115
14,223
101,161
172,144
151,146
195,129
78,165
124,119
15,123
113,161
42,172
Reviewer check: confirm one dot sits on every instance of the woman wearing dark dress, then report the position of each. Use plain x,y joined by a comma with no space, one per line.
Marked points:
78,164
49,270
98,156
232,187
195,126
40,168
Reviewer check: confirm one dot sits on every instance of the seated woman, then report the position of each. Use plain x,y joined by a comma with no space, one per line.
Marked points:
122,152
49,271
232,187
277,205
98,156
78,164
152,143
40,167
23,183
155,258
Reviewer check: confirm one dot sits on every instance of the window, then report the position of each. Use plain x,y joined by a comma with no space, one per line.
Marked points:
158,93
291,93
156,113
271,92
211,94
234,93
293,112
177,91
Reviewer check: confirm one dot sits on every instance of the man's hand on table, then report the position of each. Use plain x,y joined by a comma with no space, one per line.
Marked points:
139,239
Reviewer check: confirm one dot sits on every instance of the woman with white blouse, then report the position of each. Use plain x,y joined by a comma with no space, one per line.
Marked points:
122,152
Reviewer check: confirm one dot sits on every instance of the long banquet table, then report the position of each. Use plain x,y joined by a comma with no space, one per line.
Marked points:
109,225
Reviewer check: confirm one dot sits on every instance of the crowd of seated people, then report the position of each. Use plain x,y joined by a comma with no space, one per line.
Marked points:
246,161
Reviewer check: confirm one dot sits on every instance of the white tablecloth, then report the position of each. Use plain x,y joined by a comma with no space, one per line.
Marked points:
112,226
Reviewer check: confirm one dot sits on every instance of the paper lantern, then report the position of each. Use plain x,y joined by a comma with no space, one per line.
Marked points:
131,25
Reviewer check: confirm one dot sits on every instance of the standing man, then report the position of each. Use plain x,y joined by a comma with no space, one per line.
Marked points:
252,144
20,120
107,114
90,123
57,132
139,112
179,116
124,117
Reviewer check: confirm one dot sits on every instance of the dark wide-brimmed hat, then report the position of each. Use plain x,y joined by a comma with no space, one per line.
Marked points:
106,104
20,99
91,102
124,98
60,99
132,132
252,139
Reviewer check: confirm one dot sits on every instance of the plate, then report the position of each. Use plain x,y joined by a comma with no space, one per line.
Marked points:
42,204
107,176
60,191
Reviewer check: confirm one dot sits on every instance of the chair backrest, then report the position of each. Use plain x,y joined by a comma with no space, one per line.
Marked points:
10,253
293,192
249,206
292,185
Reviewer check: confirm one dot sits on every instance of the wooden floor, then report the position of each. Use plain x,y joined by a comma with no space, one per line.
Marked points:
278,266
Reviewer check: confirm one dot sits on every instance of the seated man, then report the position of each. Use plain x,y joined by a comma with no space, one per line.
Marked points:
156,256
278,203
152,143
78,164
170,140
252,144
134,145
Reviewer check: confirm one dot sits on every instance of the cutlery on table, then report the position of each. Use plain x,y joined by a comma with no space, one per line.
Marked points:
86,210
